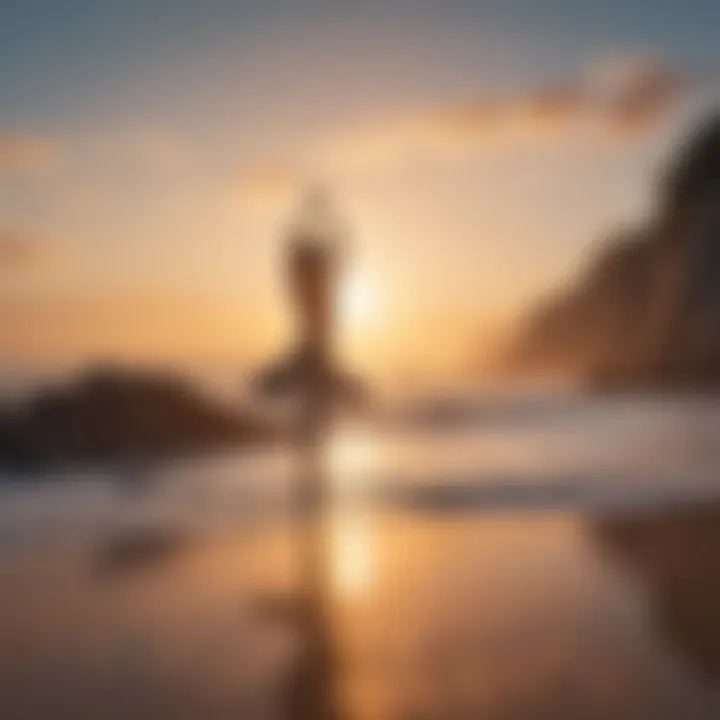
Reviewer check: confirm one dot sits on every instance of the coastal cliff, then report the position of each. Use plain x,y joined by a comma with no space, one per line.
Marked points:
645,311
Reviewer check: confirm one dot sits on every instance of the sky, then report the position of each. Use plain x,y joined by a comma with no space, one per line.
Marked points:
151,152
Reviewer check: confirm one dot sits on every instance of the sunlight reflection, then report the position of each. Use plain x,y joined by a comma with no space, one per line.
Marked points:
354,457
352,559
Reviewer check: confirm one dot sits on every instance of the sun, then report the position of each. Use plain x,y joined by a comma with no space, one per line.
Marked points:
358,300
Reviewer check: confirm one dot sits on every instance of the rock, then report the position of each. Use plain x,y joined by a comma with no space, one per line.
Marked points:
113,415
645,312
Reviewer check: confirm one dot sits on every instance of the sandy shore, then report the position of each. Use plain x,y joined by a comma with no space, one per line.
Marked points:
521,615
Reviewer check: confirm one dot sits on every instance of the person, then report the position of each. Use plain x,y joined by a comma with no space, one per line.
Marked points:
309,375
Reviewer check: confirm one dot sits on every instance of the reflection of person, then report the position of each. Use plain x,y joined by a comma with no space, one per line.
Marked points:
311,375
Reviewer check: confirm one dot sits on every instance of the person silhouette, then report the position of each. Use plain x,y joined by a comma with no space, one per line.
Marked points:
310,376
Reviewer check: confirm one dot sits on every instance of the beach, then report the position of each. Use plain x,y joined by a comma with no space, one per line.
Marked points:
575,598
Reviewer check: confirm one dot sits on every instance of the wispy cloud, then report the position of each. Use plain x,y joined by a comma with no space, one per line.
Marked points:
267,180
19,250
145,324
26,154
622,93
620,96
631,94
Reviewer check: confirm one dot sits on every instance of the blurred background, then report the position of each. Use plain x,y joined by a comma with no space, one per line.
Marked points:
359,360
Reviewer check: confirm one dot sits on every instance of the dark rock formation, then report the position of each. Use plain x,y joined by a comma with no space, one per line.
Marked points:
646,310
113,415
675,554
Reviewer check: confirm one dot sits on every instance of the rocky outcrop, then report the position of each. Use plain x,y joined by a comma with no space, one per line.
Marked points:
646,310
113,415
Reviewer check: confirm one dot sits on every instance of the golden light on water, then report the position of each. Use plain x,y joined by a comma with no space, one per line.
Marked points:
352,556
354,455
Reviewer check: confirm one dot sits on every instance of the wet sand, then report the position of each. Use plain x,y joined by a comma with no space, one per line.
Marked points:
495,615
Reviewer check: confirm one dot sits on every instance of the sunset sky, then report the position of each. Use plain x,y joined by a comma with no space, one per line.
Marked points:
151,150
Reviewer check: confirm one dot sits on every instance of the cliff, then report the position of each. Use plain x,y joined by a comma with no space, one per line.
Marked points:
645,312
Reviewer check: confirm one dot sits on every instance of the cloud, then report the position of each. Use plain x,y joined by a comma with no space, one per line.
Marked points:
622,95
553,107
157,149
19,250
264,182
632,94
26,154
149,325
466,120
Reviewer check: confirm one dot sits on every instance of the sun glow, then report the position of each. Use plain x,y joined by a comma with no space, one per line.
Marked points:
358,299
